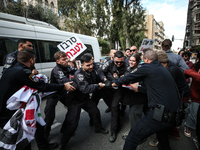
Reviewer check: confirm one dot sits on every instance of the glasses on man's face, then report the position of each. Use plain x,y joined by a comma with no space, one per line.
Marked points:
133,50
184,56
119,62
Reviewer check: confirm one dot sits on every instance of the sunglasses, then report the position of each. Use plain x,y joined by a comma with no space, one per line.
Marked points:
119,62
133,50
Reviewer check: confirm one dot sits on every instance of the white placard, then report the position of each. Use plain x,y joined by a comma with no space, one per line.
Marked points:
146,43
73,47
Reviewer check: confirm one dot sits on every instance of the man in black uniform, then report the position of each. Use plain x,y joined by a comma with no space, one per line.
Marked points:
114,69
86,80
59,74
163,102
15,78
11,59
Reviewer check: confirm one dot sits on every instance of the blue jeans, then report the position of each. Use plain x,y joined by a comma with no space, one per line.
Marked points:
191,120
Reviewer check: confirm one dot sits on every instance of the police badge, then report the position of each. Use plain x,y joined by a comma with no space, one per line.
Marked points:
80,77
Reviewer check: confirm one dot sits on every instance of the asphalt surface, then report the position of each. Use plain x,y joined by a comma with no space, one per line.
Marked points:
86,139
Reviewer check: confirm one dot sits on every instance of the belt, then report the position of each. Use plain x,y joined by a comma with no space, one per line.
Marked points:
168,115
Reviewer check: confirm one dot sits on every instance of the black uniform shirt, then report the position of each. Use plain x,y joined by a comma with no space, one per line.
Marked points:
87,83
14,79
159,83
10,61
60,74
109,68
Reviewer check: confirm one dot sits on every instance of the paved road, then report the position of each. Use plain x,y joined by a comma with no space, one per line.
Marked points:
86,139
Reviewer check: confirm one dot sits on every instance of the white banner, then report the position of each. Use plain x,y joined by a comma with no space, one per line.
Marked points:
146,43
73,47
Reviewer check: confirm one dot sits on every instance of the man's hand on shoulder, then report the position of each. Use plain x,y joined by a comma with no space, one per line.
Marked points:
69,87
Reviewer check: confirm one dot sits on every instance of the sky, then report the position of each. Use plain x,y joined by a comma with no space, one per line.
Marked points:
173,13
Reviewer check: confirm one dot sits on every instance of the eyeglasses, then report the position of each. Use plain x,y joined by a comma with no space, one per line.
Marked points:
184,56
133,50
119,62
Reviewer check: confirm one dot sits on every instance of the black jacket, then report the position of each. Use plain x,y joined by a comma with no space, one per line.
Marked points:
15,78
87,83
179,78
60,74
134,98
10,61
159,82
109,68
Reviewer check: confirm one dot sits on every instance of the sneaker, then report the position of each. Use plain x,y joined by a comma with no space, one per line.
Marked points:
196,143
154,143
187,132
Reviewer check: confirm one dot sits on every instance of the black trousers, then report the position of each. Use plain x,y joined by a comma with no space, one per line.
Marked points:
103,93
50,107
115,111
70,123
198,124
145,127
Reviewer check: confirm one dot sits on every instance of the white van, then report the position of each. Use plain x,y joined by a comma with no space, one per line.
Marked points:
44,37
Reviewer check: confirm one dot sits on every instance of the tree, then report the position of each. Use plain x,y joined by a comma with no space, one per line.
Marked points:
39,13
66,7
33,12
81,19
128,23
105,46
102,18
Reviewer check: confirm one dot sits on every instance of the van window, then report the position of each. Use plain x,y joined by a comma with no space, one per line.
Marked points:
2,52
88,50
47,50
9,45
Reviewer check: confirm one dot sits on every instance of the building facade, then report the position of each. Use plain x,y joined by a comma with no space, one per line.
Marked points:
192,33
154,30
49,4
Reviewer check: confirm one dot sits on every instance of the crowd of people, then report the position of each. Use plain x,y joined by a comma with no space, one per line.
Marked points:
157,86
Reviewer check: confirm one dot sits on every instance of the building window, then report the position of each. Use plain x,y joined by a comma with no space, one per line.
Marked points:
46,4
39,2
52,6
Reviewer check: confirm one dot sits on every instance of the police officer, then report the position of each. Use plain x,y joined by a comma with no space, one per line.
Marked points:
59,74
11,59
86,79
15,78
103,93
163,102
114,69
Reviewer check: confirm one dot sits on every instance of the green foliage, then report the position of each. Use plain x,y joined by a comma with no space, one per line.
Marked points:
128,23
105,46
38,13
81,19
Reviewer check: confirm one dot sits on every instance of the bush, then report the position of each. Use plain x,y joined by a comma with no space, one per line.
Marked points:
105,46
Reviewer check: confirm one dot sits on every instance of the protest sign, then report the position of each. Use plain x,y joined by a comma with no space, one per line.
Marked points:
73,47
146,43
